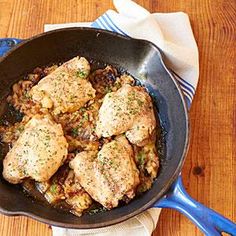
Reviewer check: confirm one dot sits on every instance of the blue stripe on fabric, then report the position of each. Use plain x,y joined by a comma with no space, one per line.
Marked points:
102,26
98,25
95,25
105,25
110,25
103,19
184,81
188,102
186,93
184,87
120,31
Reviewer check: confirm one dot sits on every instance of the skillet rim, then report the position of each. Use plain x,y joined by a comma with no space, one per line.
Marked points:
168,184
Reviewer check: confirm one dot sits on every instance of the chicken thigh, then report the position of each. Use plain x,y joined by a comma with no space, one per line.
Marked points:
66,89
127,110
109,175
38,153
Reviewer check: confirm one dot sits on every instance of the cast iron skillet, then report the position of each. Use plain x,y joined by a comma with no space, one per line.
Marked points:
143,60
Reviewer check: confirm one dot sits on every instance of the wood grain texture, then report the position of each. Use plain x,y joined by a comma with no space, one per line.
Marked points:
209,171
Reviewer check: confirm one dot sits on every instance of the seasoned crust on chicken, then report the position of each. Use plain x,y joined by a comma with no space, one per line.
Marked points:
128,110
38,153
109,175
63,186
66,89
76,197
147,161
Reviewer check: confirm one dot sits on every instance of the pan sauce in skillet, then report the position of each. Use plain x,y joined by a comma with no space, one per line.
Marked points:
79,127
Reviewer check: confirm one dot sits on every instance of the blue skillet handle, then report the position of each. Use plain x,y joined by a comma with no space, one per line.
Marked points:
7,43
210,222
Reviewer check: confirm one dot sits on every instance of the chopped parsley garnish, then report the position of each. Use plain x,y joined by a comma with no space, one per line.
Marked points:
81,74
108,89
97,210
141,158
53,188
21,129
82,109
140,103
26,95
117,85
90,95
74,132
85,116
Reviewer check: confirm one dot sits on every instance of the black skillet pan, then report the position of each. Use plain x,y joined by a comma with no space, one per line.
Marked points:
143,60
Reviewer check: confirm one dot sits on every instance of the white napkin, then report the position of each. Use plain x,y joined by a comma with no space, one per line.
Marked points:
172,33
141,225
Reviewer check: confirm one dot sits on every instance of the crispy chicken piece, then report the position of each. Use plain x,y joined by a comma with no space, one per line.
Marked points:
147,161
110,175
128,110
63,186
66,89
38,153
75,195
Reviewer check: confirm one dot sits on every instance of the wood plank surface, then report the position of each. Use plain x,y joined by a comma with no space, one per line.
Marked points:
209,173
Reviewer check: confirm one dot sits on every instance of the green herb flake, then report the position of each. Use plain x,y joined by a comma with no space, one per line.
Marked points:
90,95
53,188
74,132
21,129
118,85
140,103
97,210
26,95
85,117
108,89
82,109
81,74
141,158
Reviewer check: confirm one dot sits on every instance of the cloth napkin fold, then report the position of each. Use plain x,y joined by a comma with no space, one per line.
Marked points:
172,33
141,225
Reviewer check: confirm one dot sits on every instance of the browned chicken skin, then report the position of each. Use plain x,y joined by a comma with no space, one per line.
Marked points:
38,153
128,110
63,186
66,89
108,175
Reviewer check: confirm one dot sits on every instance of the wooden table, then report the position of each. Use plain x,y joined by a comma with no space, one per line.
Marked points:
209,172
